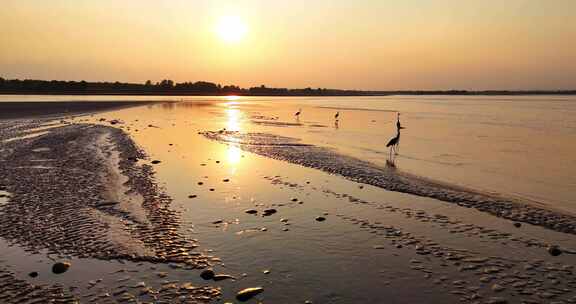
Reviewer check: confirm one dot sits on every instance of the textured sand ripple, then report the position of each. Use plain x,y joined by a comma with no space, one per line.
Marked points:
389,178
68,207
13,290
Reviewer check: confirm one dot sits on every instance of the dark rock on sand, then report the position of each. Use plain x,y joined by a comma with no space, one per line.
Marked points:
192,196
248,293
554,250
33,274
60,267
517,225
207,274
268,212
154,162
251,211
320,219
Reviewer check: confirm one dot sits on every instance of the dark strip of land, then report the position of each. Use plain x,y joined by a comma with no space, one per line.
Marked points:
31,109
169,87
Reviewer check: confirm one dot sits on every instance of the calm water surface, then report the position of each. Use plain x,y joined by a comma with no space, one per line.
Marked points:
517,145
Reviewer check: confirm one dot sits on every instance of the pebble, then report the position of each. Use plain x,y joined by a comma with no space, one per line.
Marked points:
207,274
225,180
517,225
33,274
192,196
221,277
496,300
248,293
320,219
60,267
268,212
554,250
251,211
497,287
154,162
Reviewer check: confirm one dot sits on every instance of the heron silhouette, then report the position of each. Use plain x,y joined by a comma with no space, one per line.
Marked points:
393,143
398,127
297,114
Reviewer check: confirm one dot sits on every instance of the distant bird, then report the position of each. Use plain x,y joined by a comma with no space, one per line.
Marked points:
297,114
393,143
398,125
336,116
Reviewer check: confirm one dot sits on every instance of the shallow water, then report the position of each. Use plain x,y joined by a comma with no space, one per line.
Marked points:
370,248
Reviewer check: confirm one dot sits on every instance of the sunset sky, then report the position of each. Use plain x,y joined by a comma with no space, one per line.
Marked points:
364,44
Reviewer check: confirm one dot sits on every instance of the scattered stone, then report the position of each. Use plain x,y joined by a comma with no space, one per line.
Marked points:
266,271
217,222
378,247
221,277
207,274
497,287
33,274
60,267
294,199
320,219
248,293
212,189
154,162
192,196
226,180
251,211
517,225
200,183
497,300
554,250
268,212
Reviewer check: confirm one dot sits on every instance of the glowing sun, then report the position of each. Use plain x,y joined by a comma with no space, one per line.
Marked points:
231,29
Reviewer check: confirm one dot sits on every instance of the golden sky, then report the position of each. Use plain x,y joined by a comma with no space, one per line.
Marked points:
362,44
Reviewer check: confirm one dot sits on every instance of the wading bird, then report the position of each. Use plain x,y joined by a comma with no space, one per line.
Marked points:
297,114
398,127
393,143
336,116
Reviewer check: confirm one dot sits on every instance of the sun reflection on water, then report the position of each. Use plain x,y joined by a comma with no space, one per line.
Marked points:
233,116
233,155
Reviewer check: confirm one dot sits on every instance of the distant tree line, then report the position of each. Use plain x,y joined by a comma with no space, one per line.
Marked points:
169,87
164,87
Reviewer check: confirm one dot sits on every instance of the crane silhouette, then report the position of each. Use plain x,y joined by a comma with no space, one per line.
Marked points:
398,127
297,114
393,143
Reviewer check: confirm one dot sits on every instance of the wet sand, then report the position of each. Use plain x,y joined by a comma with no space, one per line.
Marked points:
130,224
392,179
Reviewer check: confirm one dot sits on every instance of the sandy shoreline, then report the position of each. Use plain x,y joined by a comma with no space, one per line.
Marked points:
62,188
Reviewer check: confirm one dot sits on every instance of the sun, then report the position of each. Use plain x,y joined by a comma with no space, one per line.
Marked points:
231,29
